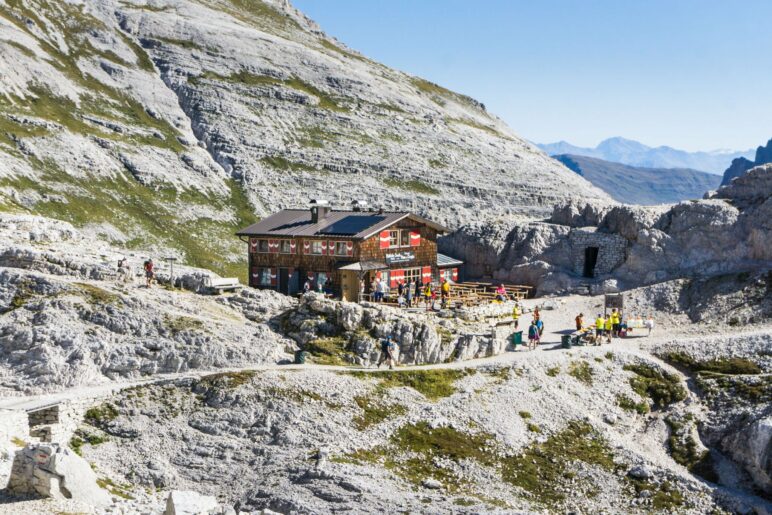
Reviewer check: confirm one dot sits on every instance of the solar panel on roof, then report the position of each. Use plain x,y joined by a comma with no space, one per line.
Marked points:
351,225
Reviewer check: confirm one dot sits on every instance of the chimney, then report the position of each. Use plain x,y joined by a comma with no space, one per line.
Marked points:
359,205
319,210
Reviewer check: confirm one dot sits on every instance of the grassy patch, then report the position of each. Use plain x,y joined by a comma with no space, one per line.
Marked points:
227,380
80,438
756,390
375,411
728,366
182,43
553,372
662,387
626,403
330,351
122,491
95,294
524,414
609,356
581,371
177,324
280,163
18,442
475,125
501,374
99,415
533,428
685,450
439,95
446,336
21,296
433,384
413,185
664,497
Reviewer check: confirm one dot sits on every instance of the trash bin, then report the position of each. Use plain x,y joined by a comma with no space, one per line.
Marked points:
565,341
300,357
517,338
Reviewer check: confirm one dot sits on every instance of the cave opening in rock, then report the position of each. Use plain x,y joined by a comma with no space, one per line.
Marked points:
590,260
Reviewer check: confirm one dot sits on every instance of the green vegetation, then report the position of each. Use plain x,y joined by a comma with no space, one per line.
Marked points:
18,442
80,438
626,403
685,450
664,497
179,324
533,428
609,355
413,185
21,296
446,336
227,380
440,95
663,388
433,384
727,366
183,43
108,484
280,163
502,374
95,294
475,125
332,350
581,371
249,79
257,14
553,372
524,414
99,415
375,411
437,163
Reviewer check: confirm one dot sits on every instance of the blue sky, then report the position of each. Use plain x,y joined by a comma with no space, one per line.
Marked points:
693,74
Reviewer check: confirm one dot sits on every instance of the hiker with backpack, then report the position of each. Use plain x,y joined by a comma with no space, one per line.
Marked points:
388,350
149,272
533,335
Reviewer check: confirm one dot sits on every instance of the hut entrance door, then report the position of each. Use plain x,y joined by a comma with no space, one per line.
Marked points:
350,285
590,260
284,281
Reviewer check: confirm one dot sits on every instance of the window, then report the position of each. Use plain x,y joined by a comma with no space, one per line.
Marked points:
285,247
316,247
340,248
262,245
393,239
264,277
413,275
404,239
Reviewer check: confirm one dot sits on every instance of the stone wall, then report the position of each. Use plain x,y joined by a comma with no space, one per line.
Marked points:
612,250
56,423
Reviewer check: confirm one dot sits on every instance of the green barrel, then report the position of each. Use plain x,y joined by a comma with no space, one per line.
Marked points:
300,357
565,341
517,338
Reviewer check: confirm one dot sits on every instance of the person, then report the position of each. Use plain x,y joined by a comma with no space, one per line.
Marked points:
445,292
516,312
418,291
539,326
328,286
579,321
307,286
533,335
649,324
401,301
608,329
385,351
400,288
149,273
428,296
409,293
536,313
501,293
393,352
600,323
615,322
378,290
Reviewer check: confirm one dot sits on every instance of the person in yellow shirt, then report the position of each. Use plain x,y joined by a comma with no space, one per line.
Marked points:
516,312
616,322
608,328
600,323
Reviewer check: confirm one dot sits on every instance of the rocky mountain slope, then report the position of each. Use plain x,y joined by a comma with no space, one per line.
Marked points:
171,123
633,153
741,165
639,185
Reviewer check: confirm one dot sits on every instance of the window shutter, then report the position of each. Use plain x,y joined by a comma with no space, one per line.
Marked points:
293,246
324,247
310,276
415,239
254,278
426,274
274,276
273,246
331,248
454,274
306,247
384,239
253,245
349,248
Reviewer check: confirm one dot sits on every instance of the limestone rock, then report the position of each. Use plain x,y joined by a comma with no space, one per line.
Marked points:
186,502
752,447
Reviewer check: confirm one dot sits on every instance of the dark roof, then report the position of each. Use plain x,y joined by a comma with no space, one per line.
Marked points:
351,224
443,260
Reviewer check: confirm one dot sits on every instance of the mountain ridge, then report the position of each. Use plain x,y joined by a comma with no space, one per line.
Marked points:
634,153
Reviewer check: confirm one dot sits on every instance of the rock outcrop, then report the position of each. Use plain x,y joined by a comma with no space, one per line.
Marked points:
52,471
741,165
582,246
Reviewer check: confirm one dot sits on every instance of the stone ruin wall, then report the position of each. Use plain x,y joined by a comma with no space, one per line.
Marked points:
612,250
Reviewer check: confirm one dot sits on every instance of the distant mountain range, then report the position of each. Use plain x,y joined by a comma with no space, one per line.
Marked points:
639,185
633,153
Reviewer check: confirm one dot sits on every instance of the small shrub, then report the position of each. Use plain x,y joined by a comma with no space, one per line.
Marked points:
626,403
663,388
433,384
582,371
553,372
375,411
100,414
609,355
533,428
413,185
727,366
227,380
525,414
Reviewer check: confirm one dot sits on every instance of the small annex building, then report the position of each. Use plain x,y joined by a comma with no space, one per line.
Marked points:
343,251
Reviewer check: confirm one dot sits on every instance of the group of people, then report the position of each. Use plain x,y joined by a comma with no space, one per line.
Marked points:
126,274
412,293
612,326
325,287
535,330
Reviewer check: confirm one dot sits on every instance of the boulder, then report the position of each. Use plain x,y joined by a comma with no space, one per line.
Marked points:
186,502
50,470
752,448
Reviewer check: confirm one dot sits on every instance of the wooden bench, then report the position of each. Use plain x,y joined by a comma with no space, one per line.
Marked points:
222,284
